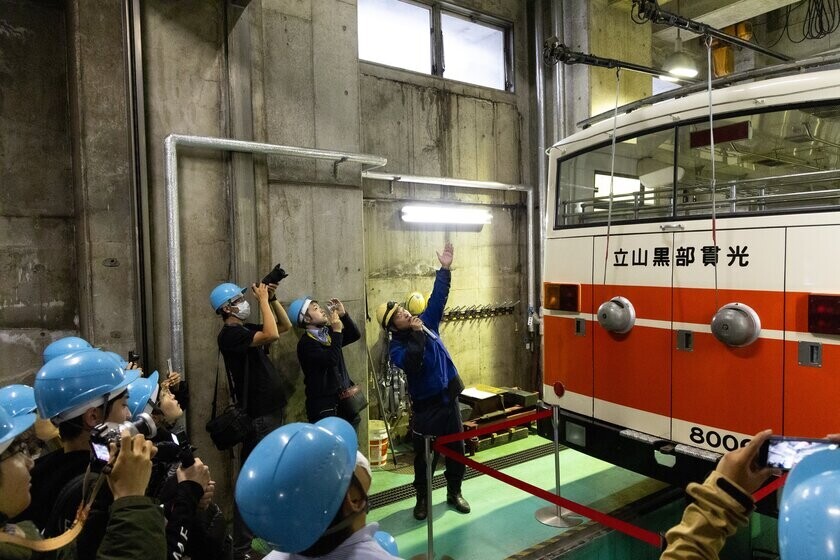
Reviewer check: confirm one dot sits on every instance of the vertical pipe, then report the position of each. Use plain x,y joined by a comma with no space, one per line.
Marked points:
539,87
429,472
559,74
532,286
555,425
173,242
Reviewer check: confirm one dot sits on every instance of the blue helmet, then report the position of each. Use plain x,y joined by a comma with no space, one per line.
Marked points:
117,358
67,386
143,393
809,526
294,482
297,310
17,399
12,426
388,542
223,293
65,346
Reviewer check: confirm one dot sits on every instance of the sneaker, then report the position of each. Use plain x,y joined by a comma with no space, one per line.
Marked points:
459,502
421,509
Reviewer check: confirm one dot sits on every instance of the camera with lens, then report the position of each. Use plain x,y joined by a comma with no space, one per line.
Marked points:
111,432
133,357
274,276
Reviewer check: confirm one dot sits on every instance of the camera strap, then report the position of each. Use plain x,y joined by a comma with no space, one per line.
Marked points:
231,391
68,536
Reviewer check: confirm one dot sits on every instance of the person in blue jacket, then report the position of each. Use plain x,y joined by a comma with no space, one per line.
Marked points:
433,382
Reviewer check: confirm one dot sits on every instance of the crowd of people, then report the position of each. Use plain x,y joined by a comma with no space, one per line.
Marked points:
95,462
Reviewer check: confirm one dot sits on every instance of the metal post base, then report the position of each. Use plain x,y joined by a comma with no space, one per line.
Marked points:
554,516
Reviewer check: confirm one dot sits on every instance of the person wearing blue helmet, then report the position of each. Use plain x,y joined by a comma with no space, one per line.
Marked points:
321,357
244,347
304,491
18,399
76,392
133,518
65,345
808,530
417,348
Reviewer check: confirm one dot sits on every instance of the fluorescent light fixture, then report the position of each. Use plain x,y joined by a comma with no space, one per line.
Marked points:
445,214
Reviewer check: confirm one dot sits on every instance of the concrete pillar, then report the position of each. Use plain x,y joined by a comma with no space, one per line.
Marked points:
105,240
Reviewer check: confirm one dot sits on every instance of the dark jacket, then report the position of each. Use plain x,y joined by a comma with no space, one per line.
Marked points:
426,362
325,373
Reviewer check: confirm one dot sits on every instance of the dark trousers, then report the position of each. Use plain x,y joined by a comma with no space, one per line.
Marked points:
318,409
438,420
263,426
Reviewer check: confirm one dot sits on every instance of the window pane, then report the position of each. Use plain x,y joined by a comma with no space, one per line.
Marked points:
642,188
770,162
395,33
472,52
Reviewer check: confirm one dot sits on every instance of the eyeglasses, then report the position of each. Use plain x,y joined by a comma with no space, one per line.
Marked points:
18,446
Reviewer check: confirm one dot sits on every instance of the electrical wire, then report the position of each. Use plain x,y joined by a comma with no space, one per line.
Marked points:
713,183
612,172
822,18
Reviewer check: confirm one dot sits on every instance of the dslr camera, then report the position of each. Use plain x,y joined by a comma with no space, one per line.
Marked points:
274,276
111,432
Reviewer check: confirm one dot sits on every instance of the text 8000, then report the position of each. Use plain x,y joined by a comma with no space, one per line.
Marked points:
715,440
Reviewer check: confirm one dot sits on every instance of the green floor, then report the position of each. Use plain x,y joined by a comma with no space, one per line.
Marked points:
502,522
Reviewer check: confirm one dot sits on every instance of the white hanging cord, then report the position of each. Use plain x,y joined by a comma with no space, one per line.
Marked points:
708,41
612,173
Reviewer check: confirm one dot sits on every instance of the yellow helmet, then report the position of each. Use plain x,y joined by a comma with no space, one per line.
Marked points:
384,313
415,303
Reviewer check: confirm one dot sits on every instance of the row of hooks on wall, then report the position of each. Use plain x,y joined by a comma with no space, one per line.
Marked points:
466,312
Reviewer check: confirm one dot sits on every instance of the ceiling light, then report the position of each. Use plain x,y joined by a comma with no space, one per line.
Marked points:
679,64
445,215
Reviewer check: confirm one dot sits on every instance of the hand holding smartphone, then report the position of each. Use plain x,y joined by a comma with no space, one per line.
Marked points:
780,452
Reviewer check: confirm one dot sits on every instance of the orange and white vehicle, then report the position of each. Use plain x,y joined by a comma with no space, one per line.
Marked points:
667,396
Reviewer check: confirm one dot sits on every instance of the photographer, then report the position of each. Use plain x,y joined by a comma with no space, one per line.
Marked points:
244,347
135,524
76,392
321,358
181,482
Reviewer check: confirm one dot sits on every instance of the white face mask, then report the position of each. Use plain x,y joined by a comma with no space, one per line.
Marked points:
243,310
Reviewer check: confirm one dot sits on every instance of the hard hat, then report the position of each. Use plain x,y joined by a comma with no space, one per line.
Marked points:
809,527
67,386
143,393
384,313
294,482
298,309
117,358
223,293
65,346
17,399
415,303
12,426
388,542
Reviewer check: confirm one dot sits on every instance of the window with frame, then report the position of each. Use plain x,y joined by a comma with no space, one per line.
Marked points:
441,40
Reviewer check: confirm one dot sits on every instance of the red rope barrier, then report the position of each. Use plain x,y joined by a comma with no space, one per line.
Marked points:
762,493
495,427
649,537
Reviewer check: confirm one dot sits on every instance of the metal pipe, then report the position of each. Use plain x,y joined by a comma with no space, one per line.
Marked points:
539,88
173,221
559,74
555,51
489,185
755,74
430,535
650,10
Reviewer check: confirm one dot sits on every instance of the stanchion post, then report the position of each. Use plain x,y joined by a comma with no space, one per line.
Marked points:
555,516
430,555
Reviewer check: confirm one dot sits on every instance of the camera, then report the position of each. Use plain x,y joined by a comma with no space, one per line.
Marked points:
177,450
780,452
133,357
274,276
111,432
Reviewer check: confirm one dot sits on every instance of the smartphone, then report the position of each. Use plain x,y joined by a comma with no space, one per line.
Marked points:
780,452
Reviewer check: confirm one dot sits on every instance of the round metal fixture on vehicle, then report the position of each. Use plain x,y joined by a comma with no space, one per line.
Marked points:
736,324
617,315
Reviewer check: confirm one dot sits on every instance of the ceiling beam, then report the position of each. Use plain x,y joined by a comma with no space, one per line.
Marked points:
720,16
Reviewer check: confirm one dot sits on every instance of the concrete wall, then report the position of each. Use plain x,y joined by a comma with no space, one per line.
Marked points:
66,224
429,126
